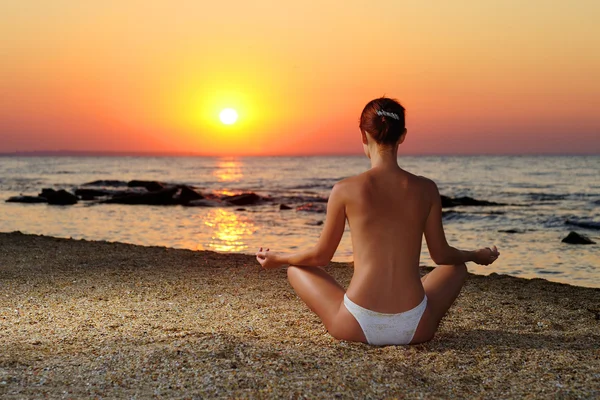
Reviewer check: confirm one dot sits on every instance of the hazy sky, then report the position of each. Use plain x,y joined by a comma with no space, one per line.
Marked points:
475,76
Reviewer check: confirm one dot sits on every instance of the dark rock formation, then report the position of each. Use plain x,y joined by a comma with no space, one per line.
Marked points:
151,186
466,201
162,197
27,199
188,194
284,207
243,199
510,231
576,238
59,197
312,207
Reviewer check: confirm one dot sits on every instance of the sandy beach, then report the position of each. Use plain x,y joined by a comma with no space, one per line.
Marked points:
81,319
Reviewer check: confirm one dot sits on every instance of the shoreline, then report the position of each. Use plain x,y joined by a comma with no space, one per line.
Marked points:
97,318
422,266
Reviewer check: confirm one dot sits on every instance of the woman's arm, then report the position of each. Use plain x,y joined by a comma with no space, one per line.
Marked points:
323,251
439,249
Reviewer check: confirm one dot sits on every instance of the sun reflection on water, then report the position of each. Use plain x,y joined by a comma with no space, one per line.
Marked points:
229,231
228,170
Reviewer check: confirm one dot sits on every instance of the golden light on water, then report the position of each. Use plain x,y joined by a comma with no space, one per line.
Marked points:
229,231
228,171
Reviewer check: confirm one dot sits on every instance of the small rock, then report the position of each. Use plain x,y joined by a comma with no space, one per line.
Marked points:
59,197
315,223
284,207
576,238
243,199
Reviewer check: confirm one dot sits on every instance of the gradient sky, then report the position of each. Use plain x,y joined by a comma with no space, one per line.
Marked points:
475,76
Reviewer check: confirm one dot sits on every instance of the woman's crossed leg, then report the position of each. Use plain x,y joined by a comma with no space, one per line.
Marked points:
325,297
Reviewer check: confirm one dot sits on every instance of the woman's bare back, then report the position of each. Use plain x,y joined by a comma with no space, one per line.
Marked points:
386,209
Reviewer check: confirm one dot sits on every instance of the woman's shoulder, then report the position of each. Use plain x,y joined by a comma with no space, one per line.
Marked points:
352,182
423,180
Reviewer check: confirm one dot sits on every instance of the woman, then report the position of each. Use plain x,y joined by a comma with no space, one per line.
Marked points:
388,211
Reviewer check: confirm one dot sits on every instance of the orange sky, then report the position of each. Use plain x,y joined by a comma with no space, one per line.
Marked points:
475,76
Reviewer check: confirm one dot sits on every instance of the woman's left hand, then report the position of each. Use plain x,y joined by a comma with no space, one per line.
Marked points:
268,260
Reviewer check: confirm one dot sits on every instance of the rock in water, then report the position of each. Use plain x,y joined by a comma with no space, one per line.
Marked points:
188,194
160,198
59,197
243,199
27,199
466,201
151,186
576,238
447,201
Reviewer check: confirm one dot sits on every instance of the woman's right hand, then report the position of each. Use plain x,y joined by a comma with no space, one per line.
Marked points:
486,256
268,260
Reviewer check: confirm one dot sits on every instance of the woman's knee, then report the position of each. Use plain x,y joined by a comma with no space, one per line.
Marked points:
335,332
293,272
461,270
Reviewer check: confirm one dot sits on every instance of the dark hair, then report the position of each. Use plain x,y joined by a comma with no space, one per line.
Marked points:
383,118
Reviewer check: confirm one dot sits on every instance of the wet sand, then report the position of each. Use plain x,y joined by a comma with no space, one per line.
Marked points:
82,319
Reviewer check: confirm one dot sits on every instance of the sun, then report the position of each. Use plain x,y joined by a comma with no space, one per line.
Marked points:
228,116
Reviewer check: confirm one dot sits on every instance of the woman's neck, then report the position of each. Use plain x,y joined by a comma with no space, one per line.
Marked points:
387,158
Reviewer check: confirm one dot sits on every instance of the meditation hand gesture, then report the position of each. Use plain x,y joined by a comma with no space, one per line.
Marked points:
268,260
485,256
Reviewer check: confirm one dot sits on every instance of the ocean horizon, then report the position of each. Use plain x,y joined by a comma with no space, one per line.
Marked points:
176,154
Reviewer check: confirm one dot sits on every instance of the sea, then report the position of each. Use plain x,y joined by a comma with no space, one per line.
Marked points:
543,197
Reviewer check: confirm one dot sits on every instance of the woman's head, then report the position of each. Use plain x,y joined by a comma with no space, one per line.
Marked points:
383,120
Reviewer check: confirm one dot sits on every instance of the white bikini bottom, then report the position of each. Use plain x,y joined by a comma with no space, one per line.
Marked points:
384,329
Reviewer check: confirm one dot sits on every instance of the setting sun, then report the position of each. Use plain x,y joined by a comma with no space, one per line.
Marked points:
228,116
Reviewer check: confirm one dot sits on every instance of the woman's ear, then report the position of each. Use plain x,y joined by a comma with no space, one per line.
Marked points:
364,137
402,137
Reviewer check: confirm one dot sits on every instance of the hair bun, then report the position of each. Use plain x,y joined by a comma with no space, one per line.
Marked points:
376,119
